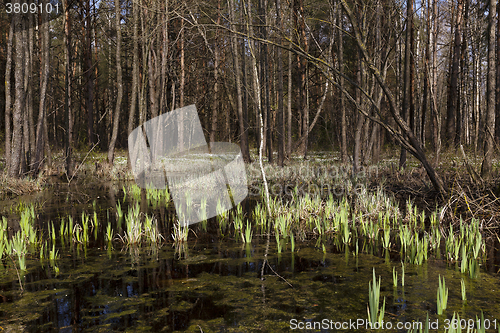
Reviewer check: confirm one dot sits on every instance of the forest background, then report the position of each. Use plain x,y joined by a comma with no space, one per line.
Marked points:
295,75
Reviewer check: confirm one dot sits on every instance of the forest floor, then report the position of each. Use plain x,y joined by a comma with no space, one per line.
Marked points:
322,173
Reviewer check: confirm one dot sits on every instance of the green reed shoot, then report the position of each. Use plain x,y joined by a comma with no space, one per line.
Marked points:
151,229
463,263
374,315
387,236
42,251
109,233
345,225
248,233
292,240
19,247
134,227
278,243
442,296
53,254
62,228
394,276
464,294
473,268
70,224
402,274
85,225
480,324
95,220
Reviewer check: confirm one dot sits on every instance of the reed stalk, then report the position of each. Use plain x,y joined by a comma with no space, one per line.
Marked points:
442,296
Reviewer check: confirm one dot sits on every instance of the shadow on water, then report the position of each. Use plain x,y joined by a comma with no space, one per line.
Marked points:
215,285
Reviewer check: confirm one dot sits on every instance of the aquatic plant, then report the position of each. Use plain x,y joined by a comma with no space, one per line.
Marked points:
151,229
374,315
292,241
394,276
387,237
402,274
442,296
53,254
19,248
248,233
119,211
109,233
278,242
133,223
464,294
180,234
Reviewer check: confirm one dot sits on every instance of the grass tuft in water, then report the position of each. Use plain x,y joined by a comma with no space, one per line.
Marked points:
442,296
374,315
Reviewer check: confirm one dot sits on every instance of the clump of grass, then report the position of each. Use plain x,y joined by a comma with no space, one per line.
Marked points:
109,233
442,296
133,222
464,293
374,315
19,248
180,234
248,233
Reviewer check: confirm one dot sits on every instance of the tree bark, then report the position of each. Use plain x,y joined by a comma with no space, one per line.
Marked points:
239,94
489,124
19,106
343,122
215,100
8,100
135,73
453,108
281,127
44,77
119,83
407,79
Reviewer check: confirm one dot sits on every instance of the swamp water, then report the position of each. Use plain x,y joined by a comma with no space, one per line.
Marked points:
213,283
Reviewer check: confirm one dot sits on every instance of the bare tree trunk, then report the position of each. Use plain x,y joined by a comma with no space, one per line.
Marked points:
164,55
44,77
19,107
215,100
489,124
407,84
88,75
343,122
8,102
256,86
497,88
29,52
281,127
68,108
119,82
453,108
135,72
239,95
289,107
